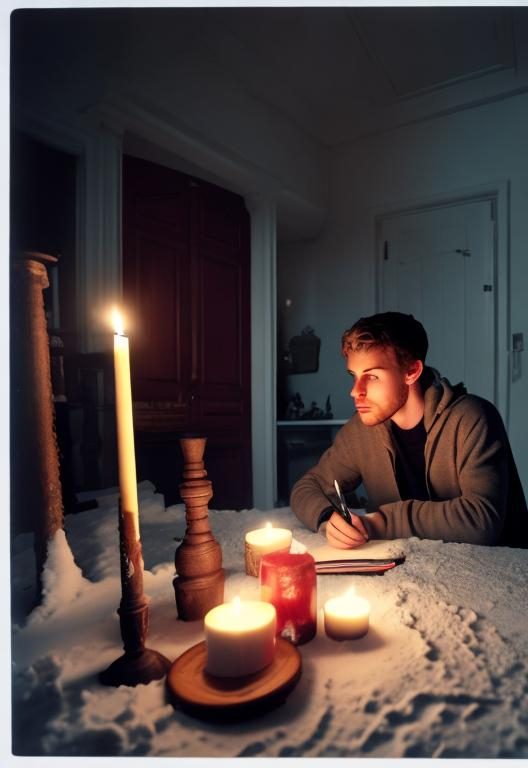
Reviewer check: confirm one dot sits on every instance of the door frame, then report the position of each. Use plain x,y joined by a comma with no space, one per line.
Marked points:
98,144
497,192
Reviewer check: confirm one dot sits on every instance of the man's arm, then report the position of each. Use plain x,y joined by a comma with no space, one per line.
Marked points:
313,497
476,515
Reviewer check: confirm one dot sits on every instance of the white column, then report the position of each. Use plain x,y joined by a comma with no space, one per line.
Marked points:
99,241
263,350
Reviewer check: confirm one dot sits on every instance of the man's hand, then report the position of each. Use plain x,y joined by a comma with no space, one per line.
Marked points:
342,535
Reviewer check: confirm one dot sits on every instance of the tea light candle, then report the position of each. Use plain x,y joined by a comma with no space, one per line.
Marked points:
239,637
346,617
262,541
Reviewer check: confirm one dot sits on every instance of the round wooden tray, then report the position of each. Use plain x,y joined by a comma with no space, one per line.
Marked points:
232,698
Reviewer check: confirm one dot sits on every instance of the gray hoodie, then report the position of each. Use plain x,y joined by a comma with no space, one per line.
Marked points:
475,494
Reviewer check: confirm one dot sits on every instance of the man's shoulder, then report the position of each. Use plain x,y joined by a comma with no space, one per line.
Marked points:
474,407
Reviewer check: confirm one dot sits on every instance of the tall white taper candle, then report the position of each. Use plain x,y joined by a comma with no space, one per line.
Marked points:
125,425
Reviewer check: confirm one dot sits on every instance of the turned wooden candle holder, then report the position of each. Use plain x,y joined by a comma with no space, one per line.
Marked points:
199,584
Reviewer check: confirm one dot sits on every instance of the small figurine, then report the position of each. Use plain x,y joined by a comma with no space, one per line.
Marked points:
295,407
314,412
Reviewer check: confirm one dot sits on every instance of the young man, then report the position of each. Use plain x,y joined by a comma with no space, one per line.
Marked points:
436,462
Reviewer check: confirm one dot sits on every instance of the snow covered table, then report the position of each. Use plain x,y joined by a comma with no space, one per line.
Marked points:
442,671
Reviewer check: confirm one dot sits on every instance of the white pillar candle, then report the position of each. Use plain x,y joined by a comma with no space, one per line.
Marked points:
239,637
262,541
125,425
346,617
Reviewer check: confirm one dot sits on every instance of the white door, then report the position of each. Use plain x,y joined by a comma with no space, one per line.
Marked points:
439,265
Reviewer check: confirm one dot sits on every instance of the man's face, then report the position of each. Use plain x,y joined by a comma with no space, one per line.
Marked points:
380,388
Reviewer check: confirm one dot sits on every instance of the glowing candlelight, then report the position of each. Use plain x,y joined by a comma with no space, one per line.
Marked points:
262,541
346,617
239,637
125,424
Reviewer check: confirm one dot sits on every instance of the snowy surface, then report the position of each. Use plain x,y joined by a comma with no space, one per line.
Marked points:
441,673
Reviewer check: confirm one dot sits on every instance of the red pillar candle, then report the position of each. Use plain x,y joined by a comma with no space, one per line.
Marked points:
288,581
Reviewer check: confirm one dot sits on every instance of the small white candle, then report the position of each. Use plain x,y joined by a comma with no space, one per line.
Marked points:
125,424
346,617
262,541
239,637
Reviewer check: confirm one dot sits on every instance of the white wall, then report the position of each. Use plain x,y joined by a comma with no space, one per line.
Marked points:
163,80
436,157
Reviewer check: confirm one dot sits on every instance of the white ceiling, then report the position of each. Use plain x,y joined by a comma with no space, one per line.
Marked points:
338,73
343,72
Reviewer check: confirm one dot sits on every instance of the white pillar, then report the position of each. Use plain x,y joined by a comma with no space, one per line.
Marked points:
99,242
263,350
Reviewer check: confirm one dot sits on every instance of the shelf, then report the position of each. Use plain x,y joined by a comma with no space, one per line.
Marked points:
312,423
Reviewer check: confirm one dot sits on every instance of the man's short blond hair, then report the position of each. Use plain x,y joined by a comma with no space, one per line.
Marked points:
401,332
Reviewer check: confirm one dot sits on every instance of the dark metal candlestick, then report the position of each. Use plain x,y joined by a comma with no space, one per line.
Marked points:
199,585
138,664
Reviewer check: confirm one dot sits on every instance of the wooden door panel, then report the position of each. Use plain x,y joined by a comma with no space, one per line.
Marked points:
157,290
156,286
167,213
220,289
229,469
186,278
219,220
159,335
221,272
209,409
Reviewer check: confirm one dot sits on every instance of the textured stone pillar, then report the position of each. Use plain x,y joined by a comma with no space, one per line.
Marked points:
35,452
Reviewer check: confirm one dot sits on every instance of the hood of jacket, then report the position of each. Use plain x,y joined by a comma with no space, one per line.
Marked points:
439,394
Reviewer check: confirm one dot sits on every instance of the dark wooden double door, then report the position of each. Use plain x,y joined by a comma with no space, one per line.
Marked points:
186,285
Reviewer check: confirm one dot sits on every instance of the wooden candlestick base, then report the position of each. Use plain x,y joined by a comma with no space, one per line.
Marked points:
196,596
199,585
232,699
138,664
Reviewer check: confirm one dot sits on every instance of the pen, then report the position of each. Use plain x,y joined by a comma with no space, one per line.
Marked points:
344,510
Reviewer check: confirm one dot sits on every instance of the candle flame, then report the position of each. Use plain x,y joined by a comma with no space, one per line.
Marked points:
350,594
268,527
236,604
117,320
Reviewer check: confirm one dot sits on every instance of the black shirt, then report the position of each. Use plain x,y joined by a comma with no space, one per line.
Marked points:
410,461
410,465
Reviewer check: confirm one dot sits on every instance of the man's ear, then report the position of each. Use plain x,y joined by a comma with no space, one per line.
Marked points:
414,371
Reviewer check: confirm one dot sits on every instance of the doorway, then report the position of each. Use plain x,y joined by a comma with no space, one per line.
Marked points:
440,265
186,282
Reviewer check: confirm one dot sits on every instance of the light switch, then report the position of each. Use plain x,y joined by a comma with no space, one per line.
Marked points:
517,348
517,342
